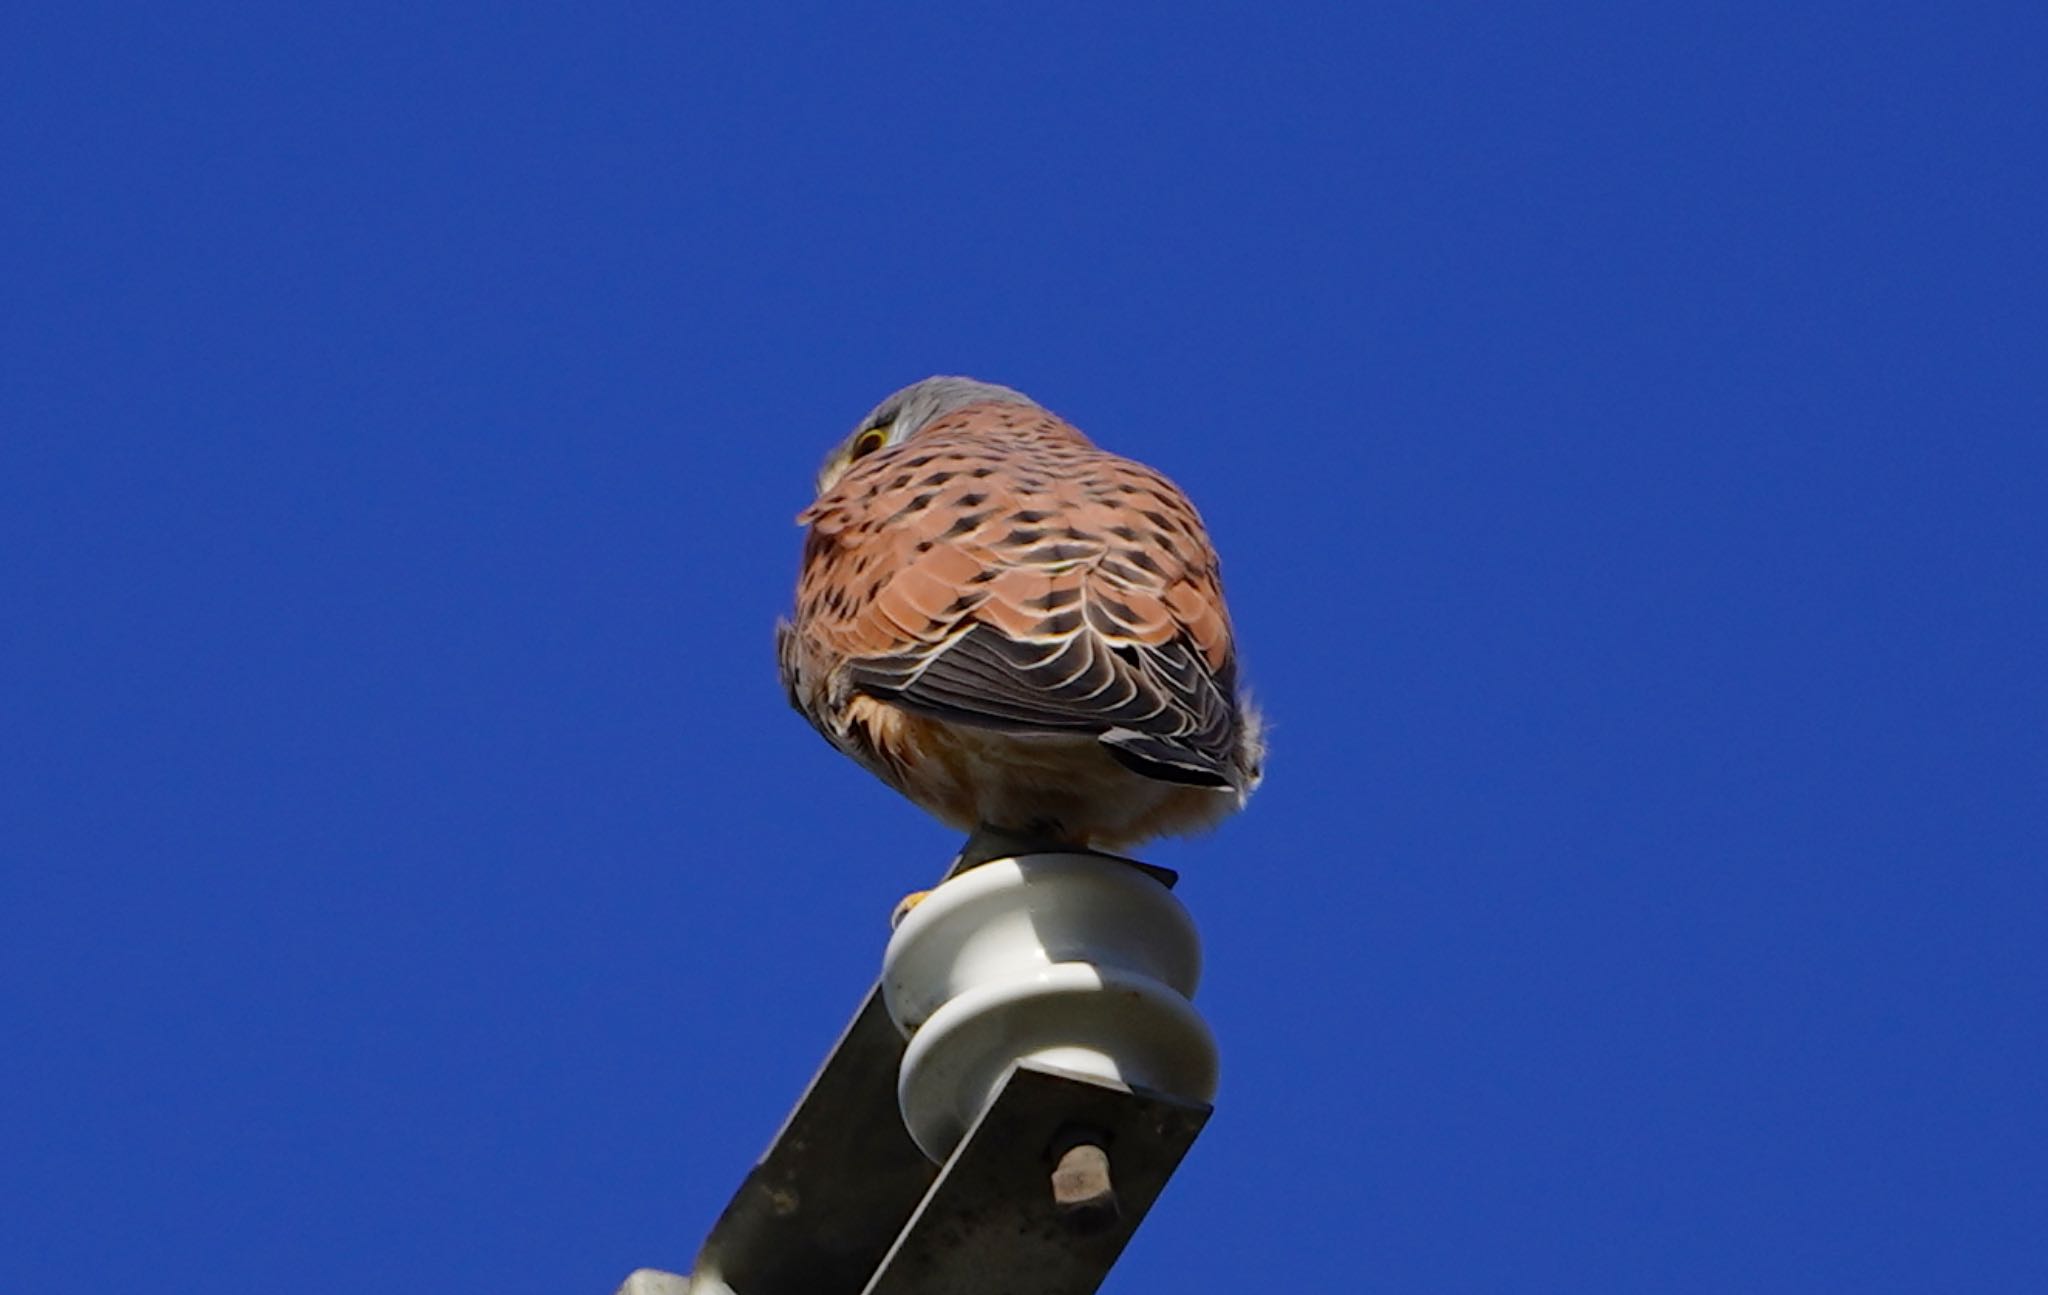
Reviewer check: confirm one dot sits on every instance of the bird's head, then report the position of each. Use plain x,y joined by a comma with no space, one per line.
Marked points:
908,412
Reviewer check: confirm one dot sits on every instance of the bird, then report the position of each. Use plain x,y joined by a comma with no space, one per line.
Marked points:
1020,632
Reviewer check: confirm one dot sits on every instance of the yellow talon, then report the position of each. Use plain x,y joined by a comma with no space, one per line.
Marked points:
904,905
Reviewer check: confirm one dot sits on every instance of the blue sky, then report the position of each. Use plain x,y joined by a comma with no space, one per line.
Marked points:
1623,425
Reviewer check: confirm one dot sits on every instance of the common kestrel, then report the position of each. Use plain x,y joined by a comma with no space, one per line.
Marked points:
1015,629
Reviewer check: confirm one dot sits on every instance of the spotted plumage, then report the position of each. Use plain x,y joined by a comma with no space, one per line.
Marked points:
1016,629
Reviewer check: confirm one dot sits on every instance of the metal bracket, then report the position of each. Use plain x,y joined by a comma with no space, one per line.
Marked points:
825,1203
843,1203
1039,1198
994,1223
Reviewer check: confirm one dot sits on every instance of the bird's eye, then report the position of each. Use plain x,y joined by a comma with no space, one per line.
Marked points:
874,438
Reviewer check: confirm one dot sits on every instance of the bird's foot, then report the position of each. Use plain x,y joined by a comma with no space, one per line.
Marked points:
905,904
988,843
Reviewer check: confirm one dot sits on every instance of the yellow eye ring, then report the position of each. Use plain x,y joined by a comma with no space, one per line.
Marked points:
874,438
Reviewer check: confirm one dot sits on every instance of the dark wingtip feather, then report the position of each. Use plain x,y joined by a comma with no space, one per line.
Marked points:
1164,761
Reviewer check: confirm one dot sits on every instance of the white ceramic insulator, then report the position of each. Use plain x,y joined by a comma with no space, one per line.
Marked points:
1069,960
